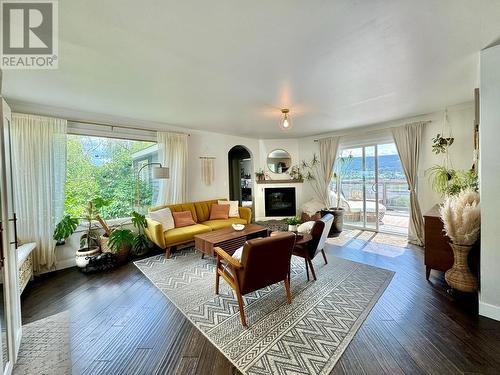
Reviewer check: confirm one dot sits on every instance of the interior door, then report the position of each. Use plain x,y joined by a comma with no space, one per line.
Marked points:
10,319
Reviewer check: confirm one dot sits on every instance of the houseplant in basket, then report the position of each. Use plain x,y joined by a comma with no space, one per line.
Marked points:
122,241
461,216
89,241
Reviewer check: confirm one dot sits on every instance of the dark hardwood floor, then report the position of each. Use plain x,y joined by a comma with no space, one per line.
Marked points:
124,325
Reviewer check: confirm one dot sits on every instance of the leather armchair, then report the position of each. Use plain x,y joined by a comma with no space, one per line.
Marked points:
319,233
264,261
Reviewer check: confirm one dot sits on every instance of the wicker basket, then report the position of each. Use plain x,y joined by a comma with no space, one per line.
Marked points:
459,276
122,255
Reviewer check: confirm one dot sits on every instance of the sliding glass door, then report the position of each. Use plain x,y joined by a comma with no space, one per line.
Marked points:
374,190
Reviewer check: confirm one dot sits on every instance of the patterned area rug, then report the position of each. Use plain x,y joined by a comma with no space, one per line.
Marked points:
45,347
306,337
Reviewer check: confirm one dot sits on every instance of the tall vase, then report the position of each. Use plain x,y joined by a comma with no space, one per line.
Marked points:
459,276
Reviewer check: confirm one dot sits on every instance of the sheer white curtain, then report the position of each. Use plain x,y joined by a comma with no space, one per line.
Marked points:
39,173
173,153
408,139
328,148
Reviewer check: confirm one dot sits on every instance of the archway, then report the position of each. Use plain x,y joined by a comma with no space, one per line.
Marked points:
240,168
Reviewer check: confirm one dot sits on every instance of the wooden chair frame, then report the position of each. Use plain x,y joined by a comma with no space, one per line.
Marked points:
232,279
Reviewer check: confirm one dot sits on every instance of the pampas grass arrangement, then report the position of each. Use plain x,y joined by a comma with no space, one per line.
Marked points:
462,222
461,216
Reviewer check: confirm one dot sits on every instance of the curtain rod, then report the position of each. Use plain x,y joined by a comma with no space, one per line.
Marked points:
116,126
425,122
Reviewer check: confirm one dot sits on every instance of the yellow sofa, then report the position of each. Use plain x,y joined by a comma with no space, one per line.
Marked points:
167,239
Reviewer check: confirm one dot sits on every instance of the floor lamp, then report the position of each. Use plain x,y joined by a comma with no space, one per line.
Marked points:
159,173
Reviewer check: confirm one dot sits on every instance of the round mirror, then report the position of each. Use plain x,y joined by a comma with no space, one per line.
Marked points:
279,161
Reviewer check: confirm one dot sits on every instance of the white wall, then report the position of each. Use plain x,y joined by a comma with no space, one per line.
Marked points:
214,145
489,304
461,120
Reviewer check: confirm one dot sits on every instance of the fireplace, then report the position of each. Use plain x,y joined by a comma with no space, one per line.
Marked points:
280,201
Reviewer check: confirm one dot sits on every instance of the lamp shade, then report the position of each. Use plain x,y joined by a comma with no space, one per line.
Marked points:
161,173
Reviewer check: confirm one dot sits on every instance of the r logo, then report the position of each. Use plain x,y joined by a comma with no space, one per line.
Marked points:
27,28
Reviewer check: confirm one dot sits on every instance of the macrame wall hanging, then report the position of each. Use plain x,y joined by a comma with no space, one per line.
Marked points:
207,170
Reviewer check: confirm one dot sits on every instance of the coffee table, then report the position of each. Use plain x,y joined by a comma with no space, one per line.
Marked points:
227,238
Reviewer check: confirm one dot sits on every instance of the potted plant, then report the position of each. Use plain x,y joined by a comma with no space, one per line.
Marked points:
440,144
448,181
89,241
292,223
461,216
140,243
120,243
261,176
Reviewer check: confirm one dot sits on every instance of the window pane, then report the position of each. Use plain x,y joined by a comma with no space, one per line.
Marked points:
108,167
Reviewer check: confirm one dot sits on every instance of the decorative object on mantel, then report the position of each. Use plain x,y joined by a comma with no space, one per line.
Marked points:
296,173
207,170
292,223
285,123
260,175
461,216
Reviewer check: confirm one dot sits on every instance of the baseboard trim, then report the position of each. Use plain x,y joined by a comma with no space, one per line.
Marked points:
489,311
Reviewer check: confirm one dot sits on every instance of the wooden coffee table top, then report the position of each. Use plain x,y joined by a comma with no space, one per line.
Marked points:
229,238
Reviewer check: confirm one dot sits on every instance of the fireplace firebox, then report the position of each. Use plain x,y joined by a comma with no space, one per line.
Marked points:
280,201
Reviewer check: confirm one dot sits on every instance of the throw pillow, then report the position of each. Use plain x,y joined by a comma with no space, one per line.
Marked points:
305,217
164,217
183,219
305,227
233,208
238,253
219,211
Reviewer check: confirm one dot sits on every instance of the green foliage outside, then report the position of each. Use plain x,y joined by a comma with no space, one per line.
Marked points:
104,167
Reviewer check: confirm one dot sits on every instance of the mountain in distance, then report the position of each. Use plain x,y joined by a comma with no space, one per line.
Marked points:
389,168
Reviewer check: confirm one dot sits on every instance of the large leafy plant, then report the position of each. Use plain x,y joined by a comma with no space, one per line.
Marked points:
314,175
68,225
120,238
140,242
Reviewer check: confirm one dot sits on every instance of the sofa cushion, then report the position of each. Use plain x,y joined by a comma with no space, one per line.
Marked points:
183,219
219,211
179,208
233,207
219,224
184,234
164,217
203,209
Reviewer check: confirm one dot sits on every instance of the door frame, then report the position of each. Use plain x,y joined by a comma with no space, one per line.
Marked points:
12,295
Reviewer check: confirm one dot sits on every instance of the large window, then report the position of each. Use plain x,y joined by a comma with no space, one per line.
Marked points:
107,167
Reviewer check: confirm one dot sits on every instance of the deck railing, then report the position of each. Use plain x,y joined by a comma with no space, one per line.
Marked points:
393,194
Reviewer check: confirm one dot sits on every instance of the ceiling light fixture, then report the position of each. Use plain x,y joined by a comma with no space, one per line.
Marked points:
285,122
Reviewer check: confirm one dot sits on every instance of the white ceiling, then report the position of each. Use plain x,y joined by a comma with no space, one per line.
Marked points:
228,66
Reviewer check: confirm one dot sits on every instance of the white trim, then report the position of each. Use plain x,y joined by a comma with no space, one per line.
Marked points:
489,311
109,131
